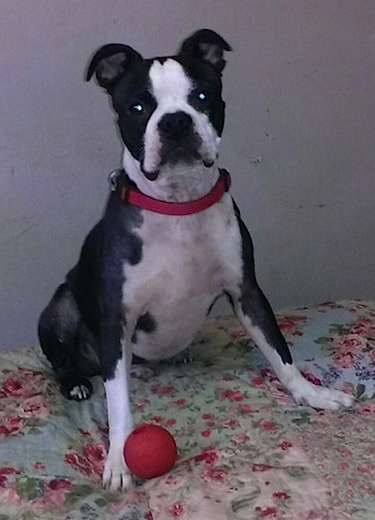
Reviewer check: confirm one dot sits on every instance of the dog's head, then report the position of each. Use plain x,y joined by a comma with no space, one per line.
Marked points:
170,110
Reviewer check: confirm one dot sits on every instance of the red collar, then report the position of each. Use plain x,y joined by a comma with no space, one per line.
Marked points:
132,195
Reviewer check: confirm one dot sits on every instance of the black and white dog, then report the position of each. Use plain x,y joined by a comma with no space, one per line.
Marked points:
170,242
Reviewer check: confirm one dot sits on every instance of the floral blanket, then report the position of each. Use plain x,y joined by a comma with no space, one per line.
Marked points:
246,451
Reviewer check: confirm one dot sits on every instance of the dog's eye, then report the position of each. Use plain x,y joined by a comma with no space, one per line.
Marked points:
203,96
137,108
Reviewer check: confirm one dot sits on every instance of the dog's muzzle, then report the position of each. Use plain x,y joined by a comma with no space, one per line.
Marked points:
179,141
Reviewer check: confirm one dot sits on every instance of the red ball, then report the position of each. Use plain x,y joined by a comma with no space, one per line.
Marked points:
150,451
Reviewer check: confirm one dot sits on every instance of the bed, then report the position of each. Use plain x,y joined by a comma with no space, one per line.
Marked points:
246,450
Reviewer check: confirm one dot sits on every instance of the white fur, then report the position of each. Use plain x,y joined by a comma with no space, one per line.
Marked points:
169,81
116,474
182,271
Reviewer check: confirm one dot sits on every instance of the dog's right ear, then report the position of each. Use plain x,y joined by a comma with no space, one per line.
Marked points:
110,63
208,46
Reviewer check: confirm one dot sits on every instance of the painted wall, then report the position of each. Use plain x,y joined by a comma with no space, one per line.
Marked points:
299,138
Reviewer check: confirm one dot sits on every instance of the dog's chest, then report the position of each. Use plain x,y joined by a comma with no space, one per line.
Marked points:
186,263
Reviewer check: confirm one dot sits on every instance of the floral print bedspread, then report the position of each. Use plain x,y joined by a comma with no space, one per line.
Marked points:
246,450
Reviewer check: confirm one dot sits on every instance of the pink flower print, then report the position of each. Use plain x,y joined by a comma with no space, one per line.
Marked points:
286,323
165,390
79,463
241,437
281,495
180,402
261,467
367,408
208,456
232,395
245,409
266,512
344,359
59,483
257,381
267,425
211,457
177,509
313,379
358,329
231,423
351,342
4,472
33,407
214,474
95,454
366,467
11,425
285,445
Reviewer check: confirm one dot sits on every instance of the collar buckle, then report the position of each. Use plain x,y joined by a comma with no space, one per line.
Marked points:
112,179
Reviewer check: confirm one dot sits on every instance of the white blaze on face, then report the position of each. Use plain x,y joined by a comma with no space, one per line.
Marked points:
170,86
169,83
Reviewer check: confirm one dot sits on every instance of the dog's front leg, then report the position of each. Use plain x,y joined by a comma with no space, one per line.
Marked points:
255,313
116,362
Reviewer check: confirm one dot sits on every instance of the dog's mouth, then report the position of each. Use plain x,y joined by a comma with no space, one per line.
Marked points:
175,155
179,154
150,175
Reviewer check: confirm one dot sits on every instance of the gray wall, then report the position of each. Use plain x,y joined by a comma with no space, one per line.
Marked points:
299,138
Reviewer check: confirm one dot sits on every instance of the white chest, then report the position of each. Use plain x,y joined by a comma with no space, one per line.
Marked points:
186,263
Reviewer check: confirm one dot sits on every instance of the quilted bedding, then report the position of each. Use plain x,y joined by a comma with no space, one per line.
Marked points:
246,450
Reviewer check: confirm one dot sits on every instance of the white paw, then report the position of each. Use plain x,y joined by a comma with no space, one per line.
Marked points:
80,392
116,475
324,398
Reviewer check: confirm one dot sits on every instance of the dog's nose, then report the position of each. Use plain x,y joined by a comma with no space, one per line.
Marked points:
175,125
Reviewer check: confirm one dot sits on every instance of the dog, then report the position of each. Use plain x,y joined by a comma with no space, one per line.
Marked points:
171,241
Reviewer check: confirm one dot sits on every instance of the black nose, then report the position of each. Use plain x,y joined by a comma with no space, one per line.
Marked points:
175,125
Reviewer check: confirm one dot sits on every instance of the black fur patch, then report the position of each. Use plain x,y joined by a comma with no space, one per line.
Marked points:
146,323
120,245
253,302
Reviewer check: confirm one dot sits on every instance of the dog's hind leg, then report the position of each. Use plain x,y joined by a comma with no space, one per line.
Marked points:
64,339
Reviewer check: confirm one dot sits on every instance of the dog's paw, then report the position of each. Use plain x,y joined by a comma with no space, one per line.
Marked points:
324,398
77,388
116,475
182,358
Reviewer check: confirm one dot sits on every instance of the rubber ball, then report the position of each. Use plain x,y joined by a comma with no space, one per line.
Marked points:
150,451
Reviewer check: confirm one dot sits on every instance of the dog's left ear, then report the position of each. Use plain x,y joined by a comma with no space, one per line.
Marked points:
207,46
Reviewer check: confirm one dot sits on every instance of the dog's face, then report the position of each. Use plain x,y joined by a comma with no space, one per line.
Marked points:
170,109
